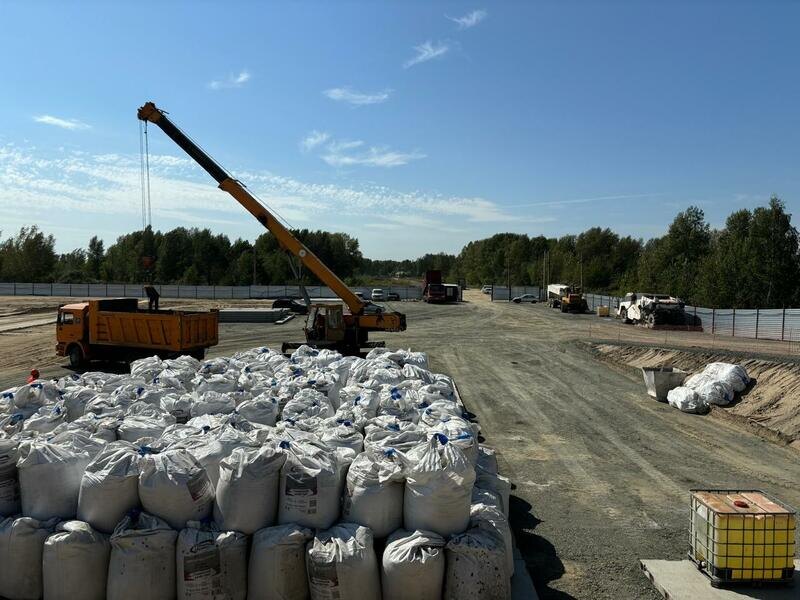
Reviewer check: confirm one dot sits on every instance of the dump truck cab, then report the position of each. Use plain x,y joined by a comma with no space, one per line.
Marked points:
72,331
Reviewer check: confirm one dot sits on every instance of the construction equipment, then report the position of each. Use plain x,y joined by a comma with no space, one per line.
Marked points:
328,324
569,298
653,310
434,290
116,329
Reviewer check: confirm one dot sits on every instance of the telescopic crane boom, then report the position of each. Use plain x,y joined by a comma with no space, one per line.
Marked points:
327,325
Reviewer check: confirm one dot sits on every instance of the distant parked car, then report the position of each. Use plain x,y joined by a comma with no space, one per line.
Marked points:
487,289
393,296
360,295
293,304
525,298
377,295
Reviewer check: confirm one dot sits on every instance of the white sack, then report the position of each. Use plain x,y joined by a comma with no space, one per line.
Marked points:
36,394
734,375
413,566
211,564
277,569
311,486
212,403
75,563
210,448
262,409
110,487
710,390
438,488
174,486
344,435
46,419
21,543
246,497
341,563
373,494
134,427
142,563
687,400
50,480
9,477
491,518
499,485
476,567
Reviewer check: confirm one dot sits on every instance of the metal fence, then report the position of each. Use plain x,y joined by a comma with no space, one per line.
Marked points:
507,293
212,292
756,323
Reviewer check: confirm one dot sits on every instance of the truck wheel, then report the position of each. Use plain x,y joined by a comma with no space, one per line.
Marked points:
199,354
75,356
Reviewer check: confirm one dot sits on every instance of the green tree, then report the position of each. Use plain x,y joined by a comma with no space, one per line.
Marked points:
29,256
94,259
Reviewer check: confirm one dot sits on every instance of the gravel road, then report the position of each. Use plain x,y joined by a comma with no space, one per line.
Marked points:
602,472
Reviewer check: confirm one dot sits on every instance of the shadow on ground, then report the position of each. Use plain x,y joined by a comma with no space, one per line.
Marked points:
539,554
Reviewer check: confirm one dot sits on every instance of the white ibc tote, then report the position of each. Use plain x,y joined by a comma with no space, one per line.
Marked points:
142,563
277,569
75,562
210,563
413,566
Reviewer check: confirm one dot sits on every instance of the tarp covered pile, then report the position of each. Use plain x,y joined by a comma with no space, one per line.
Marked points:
256,475
717,384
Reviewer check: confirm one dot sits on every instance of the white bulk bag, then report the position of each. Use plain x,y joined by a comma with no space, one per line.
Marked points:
210,448
400,435
75,400
476,567
373,494
46,419
710,389
147,368
262,409
491,518
341,563
734,375
461,434
438,488
75,562
344,435
174,486
50,479
110,486
178,405
277,569
687,400
308,403
311,486
21,543
361,398
495,483
142,563
246,497
36,394
211,563
9,477
413,566
134,427
212,402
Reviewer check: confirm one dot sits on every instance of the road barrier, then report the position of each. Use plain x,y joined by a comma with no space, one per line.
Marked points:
212,292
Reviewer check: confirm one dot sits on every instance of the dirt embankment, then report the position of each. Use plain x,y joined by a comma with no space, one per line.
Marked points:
771,404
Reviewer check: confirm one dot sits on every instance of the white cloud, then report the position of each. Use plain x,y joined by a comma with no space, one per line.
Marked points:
313,139
356,98
427,51
373,157
233,81
71,124
469,20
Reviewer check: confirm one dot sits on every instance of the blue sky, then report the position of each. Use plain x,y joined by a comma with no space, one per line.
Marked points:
415,126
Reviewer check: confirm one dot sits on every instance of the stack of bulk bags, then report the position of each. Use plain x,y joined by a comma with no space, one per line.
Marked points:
413,566
9,477
110,486
311,485
174,486
246,497
142,563
21,545
277,569
341,563
50,479
438,488
374,489
75,562
211,563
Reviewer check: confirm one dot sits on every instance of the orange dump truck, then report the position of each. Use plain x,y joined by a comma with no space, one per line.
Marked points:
117,329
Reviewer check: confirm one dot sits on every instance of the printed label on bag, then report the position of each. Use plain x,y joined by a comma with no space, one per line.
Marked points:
201,574
323,581
301,493
200,487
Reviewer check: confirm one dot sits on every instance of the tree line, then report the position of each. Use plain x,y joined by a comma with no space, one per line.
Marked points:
753,261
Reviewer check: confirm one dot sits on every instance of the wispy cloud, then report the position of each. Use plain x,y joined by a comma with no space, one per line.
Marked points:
356,98
314,139
469,20
427,51
232,81
72,124
374,156
583,200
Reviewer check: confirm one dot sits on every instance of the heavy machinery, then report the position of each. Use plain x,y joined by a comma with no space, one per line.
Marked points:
654,310
434,290
569,298
329,325
117,329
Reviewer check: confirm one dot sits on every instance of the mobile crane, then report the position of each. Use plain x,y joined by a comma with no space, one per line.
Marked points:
328,324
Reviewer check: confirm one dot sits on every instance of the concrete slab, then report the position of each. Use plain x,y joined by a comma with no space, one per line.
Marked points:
680,580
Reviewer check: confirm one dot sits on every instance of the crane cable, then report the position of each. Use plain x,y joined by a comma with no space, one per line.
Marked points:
144,175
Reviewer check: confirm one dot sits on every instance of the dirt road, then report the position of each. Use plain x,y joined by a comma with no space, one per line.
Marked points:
601,471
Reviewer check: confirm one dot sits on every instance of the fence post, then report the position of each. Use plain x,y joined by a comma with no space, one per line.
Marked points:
713,319
733,325
783,322
757,310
